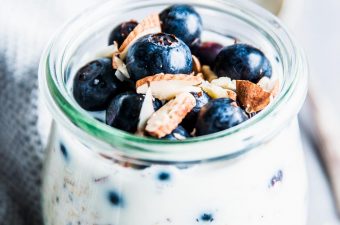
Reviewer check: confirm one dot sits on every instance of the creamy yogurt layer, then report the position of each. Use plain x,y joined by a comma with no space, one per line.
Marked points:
263,187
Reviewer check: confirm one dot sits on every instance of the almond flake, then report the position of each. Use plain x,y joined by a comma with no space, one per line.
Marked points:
270,85
121,70
276,88
209,75
251,96
167,118
116,61
167,86
118,64
148,25
179,136
146,111
107,51
215,91
200,75
196,64
225,82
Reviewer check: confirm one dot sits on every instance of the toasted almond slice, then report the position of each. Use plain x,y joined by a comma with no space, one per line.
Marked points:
107,51
167,86
196,64
225,82
231,94
146,111
200,75
184,78
276,88
116,61
179,136
118,64
251,96
217,92
209,75
269,85
167,118
121,70
148,25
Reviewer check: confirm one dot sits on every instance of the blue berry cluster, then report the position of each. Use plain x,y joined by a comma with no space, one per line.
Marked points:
96,87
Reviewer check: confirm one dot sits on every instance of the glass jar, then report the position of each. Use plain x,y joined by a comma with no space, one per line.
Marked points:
253,173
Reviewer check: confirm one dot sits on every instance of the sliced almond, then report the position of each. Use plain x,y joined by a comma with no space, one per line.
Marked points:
184,78
200,75
148,25
118,64
107,51
116,61
208,74
179,136
167,118
276,88
270,85
121,70
196,64
167,86
225,82
251,96
215,91
146,111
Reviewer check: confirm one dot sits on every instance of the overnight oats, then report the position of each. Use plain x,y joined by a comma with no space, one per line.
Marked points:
174,114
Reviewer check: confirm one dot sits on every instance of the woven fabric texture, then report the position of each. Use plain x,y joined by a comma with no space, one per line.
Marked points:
25,28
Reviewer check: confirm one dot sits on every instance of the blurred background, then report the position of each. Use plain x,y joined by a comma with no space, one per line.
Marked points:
312,22
26,26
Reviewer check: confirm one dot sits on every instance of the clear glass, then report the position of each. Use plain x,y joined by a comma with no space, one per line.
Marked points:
253,173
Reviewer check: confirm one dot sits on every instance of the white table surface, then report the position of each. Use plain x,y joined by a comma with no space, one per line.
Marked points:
315,25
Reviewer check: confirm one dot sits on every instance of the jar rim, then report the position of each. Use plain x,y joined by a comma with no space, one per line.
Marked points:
292,92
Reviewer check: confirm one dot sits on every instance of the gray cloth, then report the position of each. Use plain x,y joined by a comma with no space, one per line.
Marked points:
25,27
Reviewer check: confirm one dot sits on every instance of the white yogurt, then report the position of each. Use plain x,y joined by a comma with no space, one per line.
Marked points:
265,186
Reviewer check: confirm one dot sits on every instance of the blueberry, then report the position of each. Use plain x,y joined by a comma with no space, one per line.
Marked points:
120,32
164,176
115,199
184,22
190,120
64,151
207,52
95,84
242,62
276,178
178,134
123,111
217,115
207,217
158,53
